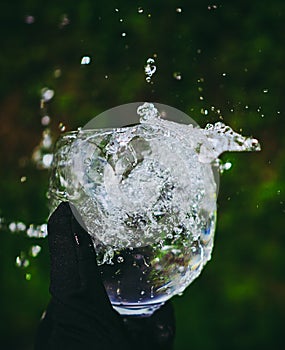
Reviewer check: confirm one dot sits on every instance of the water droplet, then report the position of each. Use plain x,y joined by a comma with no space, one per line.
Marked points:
22,261
140,10
17,227
47,160
61,126
23,179
57,73
142,292
212,7
116,10
178,9
29,19
28,276
47,94
64,21
86,60
224,74
106,76
120,259
35,250
265,91
45,120
124,34
37,231
149,69
177,75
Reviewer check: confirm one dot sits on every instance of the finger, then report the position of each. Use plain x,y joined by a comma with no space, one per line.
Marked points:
91,283
63,258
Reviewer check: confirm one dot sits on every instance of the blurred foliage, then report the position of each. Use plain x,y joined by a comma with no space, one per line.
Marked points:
231,57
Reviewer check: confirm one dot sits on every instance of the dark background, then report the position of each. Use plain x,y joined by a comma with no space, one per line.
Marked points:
229,52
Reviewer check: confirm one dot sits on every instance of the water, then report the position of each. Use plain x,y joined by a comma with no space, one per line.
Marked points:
147,195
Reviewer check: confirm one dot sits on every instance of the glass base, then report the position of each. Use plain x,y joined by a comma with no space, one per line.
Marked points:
137,310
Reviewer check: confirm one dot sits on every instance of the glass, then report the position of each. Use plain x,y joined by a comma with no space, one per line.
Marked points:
147,195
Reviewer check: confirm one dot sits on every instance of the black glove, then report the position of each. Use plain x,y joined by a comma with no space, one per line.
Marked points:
80,315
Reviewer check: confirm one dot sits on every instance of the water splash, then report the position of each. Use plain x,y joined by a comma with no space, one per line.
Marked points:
147,194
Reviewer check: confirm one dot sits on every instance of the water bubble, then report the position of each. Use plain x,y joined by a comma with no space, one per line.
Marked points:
124,34
177,75
85,60
47,94
224,74
178,9
265,91
116,10
140,10
149,69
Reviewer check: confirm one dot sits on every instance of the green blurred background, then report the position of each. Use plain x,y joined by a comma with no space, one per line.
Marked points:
230,57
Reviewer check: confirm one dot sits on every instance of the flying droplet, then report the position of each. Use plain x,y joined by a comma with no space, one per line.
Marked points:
22,261
177,75
86,60
29,19
120,259
179,10
28,276
149,69
35,250
140,10
47,94
124,34
61,127
47,160
265,91
45,120
23,179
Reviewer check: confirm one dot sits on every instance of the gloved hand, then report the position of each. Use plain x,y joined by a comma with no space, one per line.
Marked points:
80,315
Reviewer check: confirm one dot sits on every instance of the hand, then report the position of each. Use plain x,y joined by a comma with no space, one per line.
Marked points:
80,315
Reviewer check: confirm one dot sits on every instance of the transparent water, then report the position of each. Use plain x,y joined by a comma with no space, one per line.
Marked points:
147,195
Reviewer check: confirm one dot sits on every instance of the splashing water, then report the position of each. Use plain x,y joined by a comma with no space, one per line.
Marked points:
147,195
